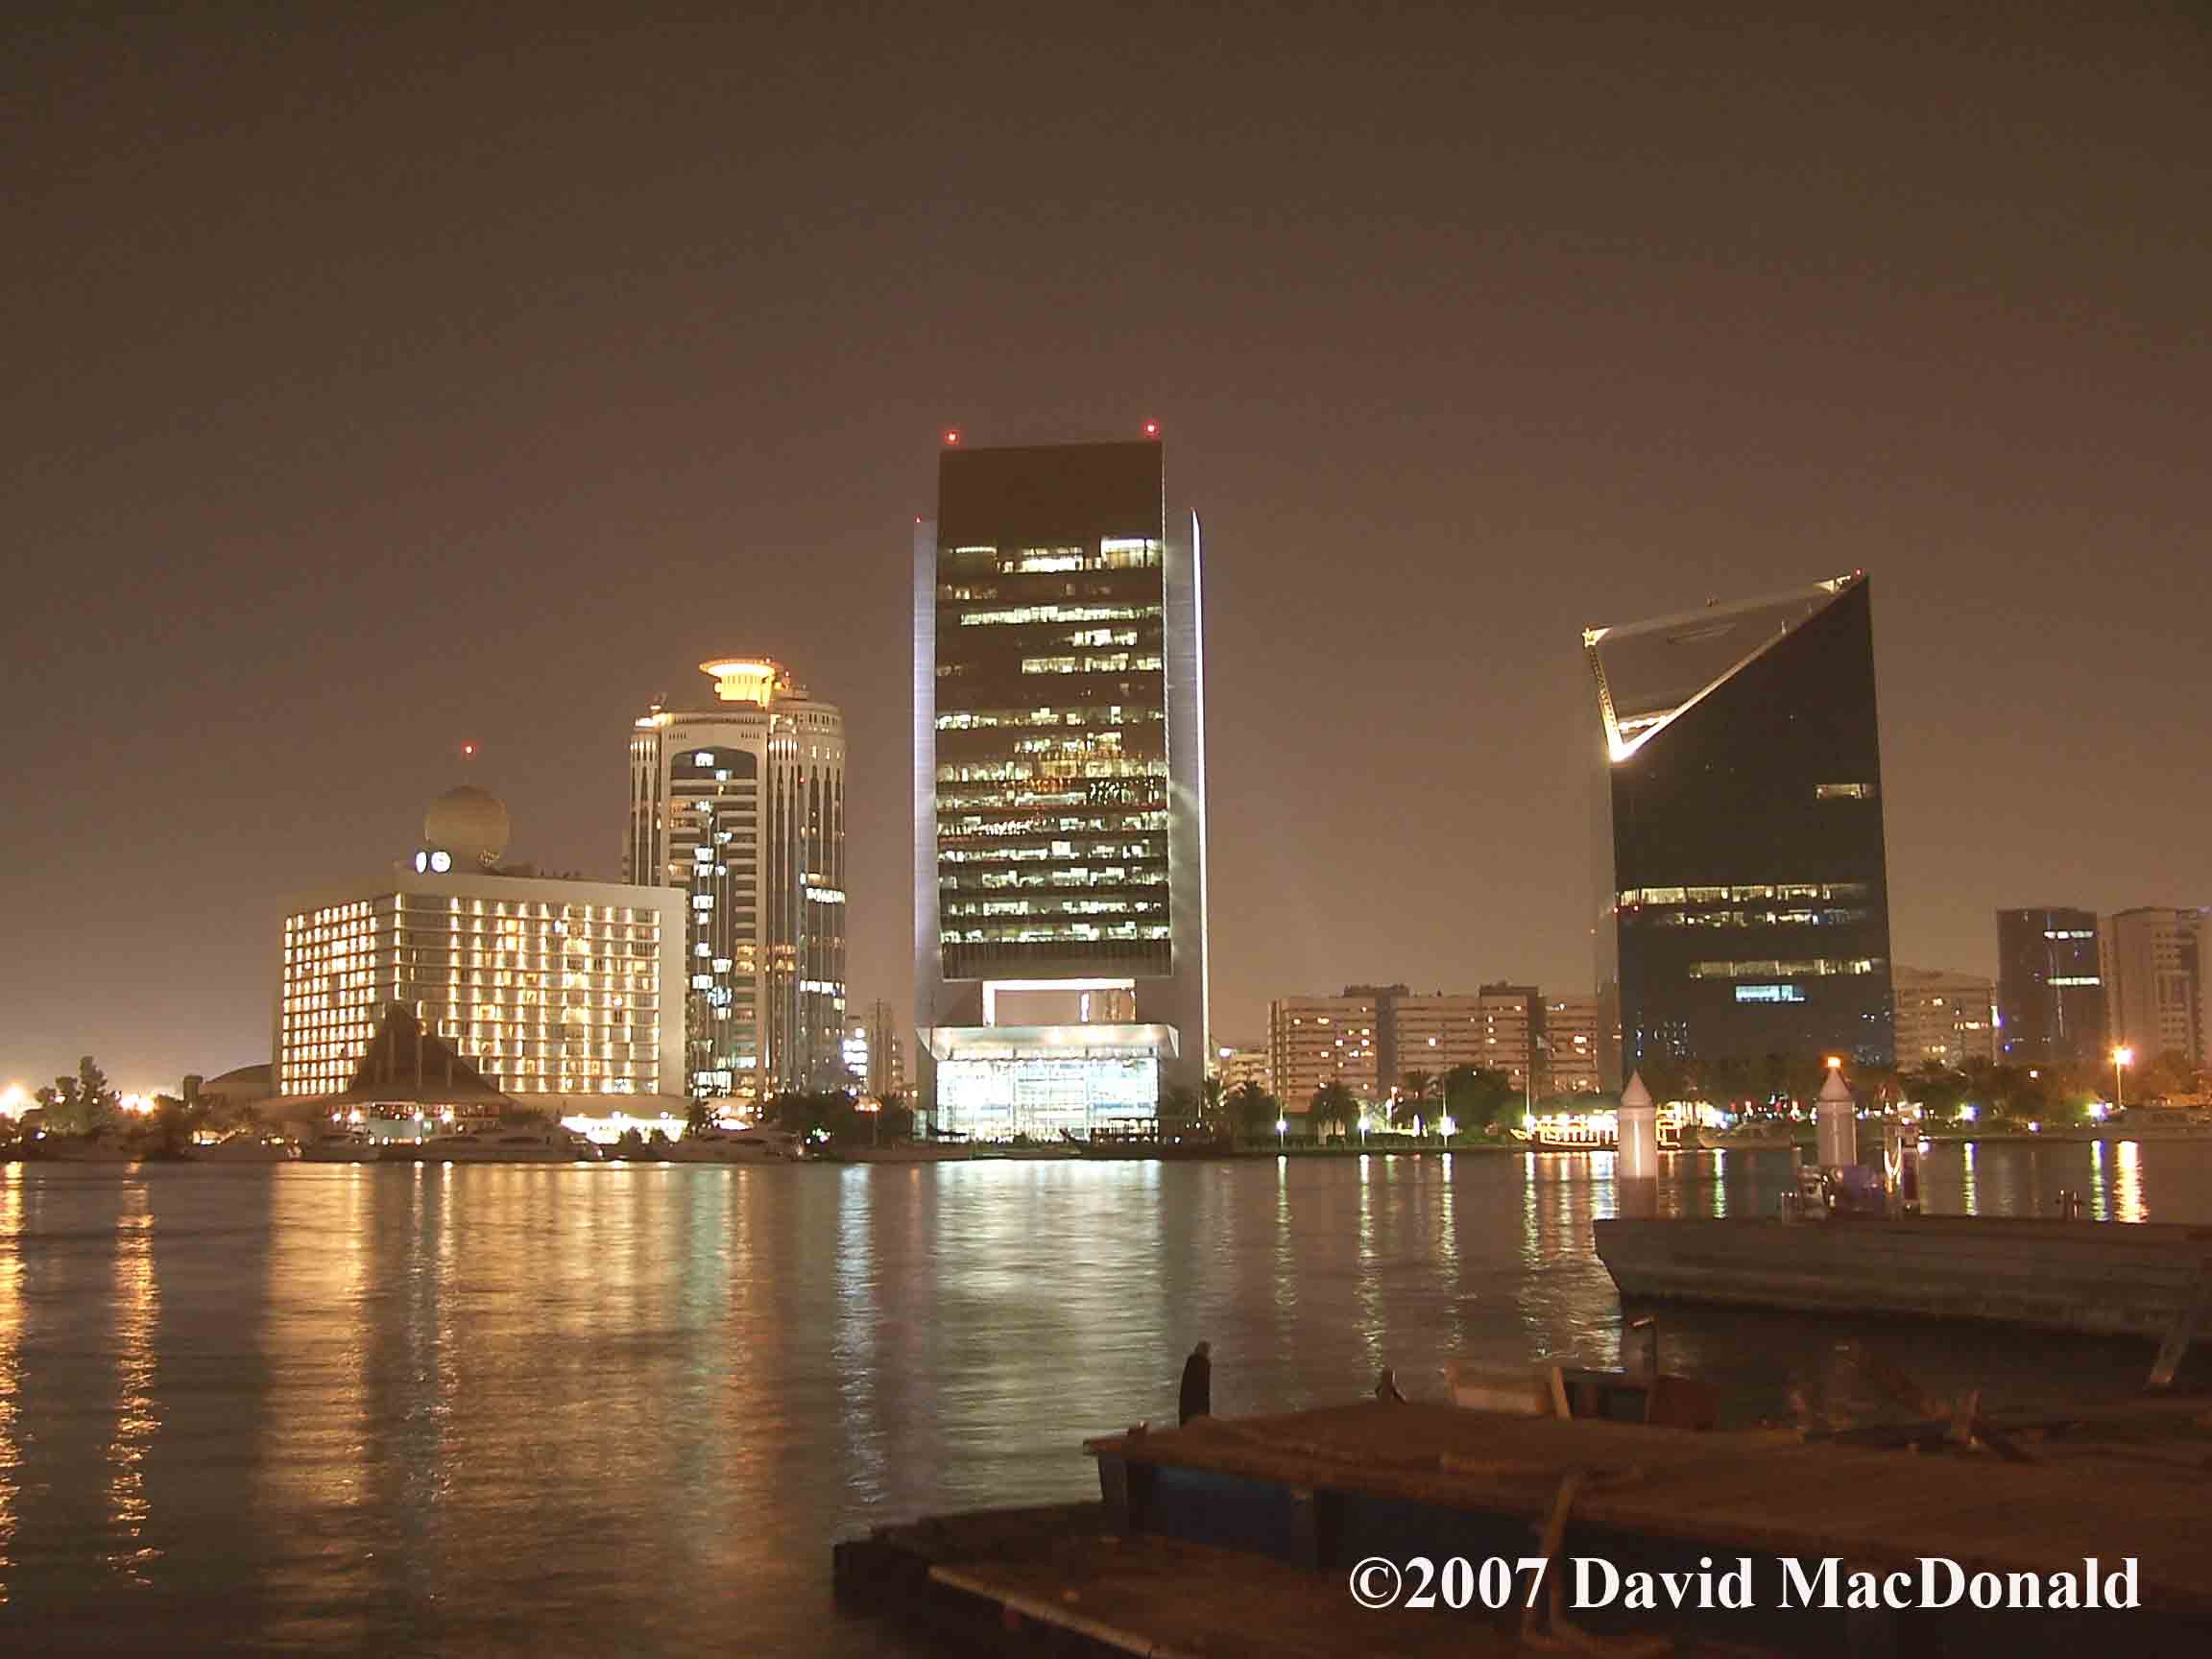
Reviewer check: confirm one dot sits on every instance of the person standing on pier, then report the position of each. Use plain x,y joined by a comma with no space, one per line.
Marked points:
1196,1399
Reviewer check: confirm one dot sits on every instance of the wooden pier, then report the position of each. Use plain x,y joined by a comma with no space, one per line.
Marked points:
2098,1278
1205,1528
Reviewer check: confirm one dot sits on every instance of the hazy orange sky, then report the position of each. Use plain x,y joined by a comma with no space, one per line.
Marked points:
376,382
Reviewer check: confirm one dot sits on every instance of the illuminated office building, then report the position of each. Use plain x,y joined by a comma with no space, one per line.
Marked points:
1746,905
546,987
2050,987
1059,793
737,801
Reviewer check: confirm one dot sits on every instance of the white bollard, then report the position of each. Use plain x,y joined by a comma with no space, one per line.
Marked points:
1837,1117
1639,1134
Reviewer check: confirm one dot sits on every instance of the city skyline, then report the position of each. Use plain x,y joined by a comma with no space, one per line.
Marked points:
365,470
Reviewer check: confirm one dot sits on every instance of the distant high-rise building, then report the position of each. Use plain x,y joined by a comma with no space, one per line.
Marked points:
2154,982
1745,906
1059,792
1318,1040
1571,1046
1943,1018
739,803
883,1037
2050,987
550,990
1238,1067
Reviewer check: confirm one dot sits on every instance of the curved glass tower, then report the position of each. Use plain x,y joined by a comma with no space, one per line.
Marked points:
1746,904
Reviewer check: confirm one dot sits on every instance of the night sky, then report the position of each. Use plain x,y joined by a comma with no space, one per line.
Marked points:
374,383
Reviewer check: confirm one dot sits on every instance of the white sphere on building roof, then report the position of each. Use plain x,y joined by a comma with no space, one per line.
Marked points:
469,823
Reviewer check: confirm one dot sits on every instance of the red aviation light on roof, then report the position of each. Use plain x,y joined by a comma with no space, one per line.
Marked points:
1151,429
952,435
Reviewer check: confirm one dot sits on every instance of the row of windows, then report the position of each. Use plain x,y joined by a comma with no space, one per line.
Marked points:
1051,826
1770,968
1065,932
1080,876
1112,553
1093,662
1632,898
1020,615
1800,918
1103,714
1050,851
1049,771
1052,908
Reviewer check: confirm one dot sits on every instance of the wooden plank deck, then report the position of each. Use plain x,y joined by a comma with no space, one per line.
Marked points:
1743,1493
2130,1279
1054,1580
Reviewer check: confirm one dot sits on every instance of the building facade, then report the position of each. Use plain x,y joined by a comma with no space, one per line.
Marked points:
878,1042
2154,982
2050,987
1059,793
1571,1046
1313,1040
1381,1040
737,801
1235,1068
546,986
1744,907
1947,1019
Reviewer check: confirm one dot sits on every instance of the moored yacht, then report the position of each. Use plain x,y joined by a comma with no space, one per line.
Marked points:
500,1144
336,1146
761,1145
247,1148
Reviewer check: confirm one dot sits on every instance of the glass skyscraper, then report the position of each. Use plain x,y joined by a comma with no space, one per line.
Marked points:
1745,908
2051,1008
1058,792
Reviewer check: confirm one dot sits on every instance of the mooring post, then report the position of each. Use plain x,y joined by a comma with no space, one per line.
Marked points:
1636,1162
1836,1115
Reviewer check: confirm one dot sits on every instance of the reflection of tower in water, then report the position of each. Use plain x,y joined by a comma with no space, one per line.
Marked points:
11,1366
137,1416
2128,1187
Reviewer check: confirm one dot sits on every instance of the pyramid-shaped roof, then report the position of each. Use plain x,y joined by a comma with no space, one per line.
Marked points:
405,1063
1648,673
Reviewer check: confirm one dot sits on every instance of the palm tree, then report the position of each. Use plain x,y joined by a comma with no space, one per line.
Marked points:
1333,1103
1253,1110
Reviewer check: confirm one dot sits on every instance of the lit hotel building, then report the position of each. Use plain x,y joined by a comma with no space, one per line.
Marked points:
2050,987
1746,905
1059,793
546,987
737,803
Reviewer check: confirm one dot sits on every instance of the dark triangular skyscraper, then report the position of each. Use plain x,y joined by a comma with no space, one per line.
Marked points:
1745,904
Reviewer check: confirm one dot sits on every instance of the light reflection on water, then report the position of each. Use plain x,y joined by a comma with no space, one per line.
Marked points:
323,1408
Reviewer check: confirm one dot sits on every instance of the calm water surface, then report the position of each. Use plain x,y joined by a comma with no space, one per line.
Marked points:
626,1409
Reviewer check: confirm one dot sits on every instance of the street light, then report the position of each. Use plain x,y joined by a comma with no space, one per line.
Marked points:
2122,1058
1282,1130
